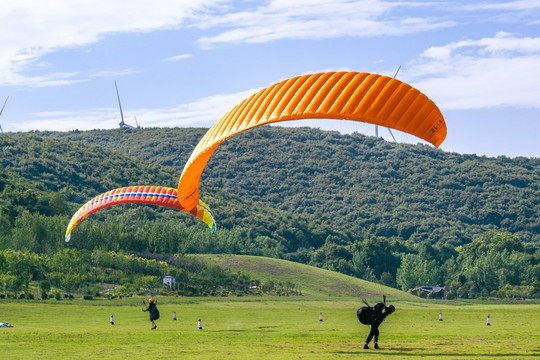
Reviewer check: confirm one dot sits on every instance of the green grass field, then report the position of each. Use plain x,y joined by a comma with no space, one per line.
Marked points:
309,280
265,328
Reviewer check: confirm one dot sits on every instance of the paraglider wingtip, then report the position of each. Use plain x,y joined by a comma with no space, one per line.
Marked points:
209,220
68,237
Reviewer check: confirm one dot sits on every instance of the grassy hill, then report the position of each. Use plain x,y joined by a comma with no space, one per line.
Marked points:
53,176
308,279
361,185
333,201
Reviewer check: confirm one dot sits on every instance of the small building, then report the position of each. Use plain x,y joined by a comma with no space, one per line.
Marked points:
169,281
432,292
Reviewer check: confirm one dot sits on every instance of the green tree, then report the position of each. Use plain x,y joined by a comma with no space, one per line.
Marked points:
44,287
416,271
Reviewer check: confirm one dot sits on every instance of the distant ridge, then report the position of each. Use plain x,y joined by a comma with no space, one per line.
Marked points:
308,279
363,186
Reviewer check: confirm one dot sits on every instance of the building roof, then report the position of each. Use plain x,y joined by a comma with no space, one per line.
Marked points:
430,288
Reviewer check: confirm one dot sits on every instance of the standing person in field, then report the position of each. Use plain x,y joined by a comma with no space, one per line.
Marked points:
374,316
154,312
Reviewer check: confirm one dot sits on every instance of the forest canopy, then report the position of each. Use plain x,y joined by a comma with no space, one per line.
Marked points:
318,197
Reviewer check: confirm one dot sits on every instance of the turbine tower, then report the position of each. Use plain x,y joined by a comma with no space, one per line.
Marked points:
1,111
390,131
122,123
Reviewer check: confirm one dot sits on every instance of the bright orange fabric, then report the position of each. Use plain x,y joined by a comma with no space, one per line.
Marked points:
363,97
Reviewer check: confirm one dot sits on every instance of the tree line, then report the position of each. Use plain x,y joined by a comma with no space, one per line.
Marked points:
364,186
493,265
71,272
403,215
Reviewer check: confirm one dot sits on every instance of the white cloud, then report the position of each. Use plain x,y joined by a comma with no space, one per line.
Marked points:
505,5
109,73
201,113
344,68
32,29
522,12
178,57
317,19
475,74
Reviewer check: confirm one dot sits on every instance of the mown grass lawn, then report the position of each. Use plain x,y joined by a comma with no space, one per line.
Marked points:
265,328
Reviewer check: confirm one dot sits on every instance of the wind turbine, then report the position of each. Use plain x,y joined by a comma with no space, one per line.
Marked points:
2,131
122,123
390,131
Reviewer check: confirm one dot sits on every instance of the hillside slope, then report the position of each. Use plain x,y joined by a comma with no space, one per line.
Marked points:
52,176
308,279
362,186
401,215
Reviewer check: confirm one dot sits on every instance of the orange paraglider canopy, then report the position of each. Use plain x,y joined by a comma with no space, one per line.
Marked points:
151,195
363,97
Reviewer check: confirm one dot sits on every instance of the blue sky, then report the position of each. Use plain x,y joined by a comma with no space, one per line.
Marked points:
186,63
